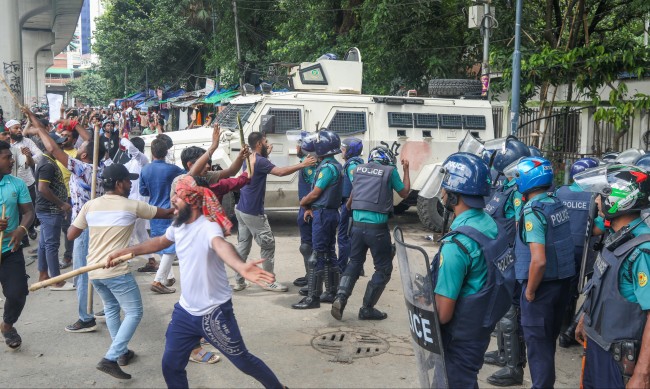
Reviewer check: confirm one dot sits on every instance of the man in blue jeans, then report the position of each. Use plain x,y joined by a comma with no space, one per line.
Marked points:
110,220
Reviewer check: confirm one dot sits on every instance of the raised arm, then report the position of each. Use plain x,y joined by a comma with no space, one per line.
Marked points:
285,171
206,157
50,144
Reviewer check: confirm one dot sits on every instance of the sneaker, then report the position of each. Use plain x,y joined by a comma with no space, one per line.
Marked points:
100,315
239,285
275,287
82,326
113,369
161,289
124,359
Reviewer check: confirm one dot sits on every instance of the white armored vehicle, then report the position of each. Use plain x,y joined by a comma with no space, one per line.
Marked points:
327,94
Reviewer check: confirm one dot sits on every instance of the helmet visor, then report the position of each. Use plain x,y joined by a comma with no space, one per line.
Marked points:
594,180
471,145
511,170
498,144
433,186
296,135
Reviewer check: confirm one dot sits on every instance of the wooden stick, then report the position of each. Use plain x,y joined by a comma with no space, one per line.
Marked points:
2,234
11,93
81,270
243,144
93,194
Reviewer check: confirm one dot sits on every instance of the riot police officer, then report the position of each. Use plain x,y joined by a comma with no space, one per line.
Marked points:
305,181
371,202
544,265
504,207
322,206
470,299
577,202
351,149
614,324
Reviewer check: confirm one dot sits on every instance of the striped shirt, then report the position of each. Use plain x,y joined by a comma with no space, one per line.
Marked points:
110,220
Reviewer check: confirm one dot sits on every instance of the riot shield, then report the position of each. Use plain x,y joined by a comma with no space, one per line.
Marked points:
588,244
421,311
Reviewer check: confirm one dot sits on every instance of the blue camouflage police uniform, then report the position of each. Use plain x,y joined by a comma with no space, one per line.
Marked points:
616,308
344,224
544,220
329,179
305,182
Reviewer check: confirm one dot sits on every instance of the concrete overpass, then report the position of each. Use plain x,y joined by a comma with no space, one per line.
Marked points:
31,33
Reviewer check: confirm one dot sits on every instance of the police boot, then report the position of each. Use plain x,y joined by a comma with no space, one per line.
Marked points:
332,276
496,357
305,250
314,285
514,350
345,290
368,310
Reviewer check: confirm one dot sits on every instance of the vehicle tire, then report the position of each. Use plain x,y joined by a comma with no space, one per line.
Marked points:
400,208
454,88
431,213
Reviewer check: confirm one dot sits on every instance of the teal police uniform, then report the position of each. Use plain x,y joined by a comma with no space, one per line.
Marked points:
343,238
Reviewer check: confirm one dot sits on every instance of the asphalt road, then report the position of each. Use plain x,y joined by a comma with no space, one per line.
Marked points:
286,339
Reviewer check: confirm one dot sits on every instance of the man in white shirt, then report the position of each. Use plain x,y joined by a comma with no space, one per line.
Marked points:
205,307
25,171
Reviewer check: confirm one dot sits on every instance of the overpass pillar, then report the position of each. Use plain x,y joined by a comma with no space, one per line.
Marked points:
10,58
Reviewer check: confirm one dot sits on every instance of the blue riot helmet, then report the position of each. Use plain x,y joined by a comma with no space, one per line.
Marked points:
581,165
382,155
327,143
609,157
514,150
533,173
628,157
643,162
307,144
353,147
467,175
535,152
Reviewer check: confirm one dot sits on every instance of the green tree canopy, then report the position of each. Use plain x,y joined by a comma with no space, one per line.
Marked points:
90,89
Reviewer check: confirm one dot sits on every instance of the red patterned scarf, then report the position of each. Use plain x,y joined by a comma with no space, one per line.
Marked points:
194,194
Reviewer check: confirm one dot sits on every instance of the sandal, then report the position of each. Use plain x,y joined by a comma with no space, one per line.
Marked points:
148,268
204,357
12,339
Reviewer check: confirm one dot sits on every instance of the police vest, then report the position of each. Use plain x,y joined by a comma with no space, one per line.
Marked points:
577,203
331,196
477,314
347,183
304,186
496,207
559,244
610,317
371,190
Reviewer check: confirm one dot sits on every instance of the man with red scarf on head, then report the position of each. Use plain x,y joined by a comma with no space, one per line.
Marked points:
205,307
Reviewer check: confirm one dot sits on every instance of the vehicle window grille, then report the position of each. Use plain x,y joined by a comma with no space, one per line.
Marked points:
451,121
286,119
228,117
400,119
474,122
426,120
346,123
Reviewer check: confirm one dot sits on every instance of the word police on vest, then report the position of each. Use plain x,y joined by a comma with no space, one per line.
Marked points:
576,204
560,217
374,172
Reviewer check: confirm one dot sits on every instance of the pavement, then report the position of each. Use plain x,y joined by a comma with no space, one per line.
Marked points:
355,353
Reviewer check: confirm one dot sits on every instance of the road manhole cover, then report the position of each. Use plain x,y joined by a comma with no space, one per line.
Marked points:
349,345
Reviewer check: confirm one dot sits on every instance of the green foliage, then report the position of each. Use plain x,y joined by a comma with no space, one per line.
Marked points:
90,89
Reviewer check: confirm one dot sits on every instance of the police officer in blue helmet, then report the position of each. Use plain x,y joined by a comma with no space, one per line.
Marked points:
351,149
322,207
471,294
304,147
371,202
643,162
505,206
615,324
544,265
578,203
535,152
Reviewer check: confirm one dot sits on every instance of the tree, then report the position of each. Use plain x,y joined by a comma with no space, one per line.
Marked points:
90,89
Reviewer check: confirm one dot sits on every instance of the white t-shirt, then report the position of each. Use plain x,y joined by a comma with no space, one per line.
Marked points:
204,282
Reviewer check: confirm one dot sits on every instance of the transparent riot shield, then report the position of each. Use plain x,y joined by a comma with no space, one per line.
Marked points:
421,312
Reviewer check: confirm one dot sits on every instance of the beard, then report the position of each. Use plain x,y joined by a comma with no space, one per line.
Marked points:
182,216
17,137
265,151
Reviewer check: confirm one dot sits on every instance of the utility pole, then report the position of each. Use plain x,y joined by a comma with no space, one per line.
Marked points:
214,37
487,31
146,83
516,72
124,80
241,77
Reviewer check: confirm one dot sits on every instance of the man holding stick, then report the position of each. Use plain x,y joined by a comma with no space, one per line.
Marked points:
205,307
110,220
16,205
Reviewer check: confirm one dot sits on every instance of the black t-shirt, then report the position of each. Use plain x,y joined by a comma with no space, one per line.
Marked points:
48,171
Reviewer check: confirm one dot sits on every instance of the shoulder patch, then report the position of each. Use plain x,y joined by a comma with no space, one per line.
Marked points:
310,171
517,202
441,260
643,278
320,175
529,226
